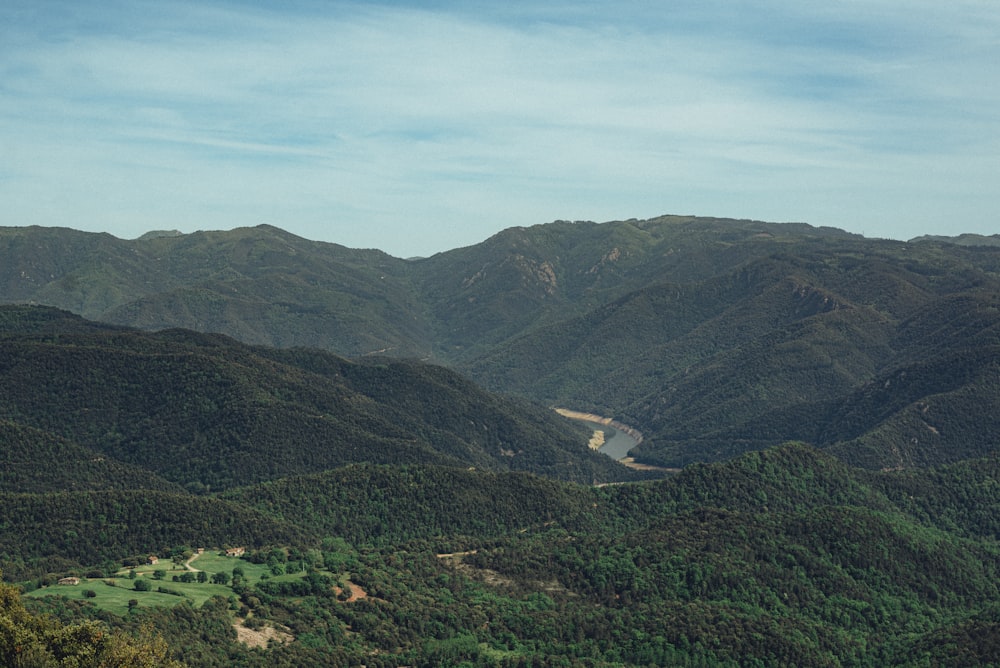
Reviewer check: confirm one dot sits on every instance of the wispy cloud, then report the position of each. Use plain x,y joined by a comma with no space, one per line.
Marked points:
422,126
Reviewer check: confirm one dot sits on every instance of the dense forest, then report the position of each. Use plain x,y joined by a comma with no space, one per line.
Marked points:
781,557
209,413
376,438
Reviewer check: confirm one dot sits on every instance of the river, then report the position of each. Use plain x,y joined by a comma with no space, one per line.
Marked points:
618,445
623,438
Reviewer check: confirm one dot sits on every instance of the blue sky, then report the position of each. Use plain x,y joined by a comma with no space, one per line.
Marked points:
416,127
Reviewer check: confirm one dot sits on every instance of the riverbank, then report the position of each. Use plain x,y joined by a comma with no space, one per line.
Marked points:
614,448
635,434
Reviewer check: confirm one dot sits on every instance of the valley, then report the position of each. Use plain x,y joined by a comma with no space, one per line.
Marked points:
801,468
711,336
623,439
618,446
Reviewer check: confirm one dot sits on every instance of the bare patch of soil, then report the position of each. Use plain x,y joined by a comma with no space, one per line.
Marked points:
632,464
357,593
260,637
457,556
492,577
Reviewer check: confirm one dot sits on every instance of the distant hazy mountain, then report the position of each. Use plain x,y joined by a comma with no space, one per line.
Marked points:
963,239
710,336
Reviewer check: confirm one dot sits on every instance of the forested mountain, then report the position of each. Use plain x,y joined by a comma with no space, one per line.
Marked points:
207,412
261,285
394,513
771,353
786,556
710,336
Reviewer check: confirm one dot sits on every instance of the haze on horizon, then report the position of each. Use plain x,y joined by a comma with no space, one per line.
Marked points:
416,127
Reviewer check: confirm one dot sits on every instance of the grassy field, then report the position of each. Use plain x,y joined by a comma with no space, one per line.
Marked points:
116,598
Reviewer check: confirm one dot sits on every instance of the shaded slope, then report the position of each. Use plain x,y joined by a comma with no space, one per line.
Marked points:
366,504
70,529
210,413
37,461
785,347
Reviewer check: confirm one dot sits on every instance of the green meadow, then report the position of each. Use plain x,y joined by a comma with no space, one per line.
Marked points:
114,594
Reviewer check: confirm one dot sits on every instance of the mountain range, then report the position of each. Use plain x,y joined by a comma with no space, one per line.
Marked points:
710,336
377,435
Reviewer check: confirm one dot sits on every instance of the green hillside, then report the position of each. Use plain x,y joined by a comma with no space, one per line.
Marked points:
387,505
831,399
781,557
261,285
38,461
207,413
56,531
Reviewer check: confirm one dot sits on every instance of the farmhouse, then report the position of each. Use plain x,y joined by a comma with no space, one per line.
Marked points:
69,581
152,560
236,551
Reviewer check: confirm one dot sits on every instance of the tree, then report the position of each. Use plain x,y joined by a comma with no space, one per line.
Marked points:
142,584
29,640
220,578
147,650
202,577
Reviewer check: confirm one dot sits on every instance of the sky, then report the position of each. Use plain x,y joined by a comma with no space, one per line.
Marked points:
418,127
